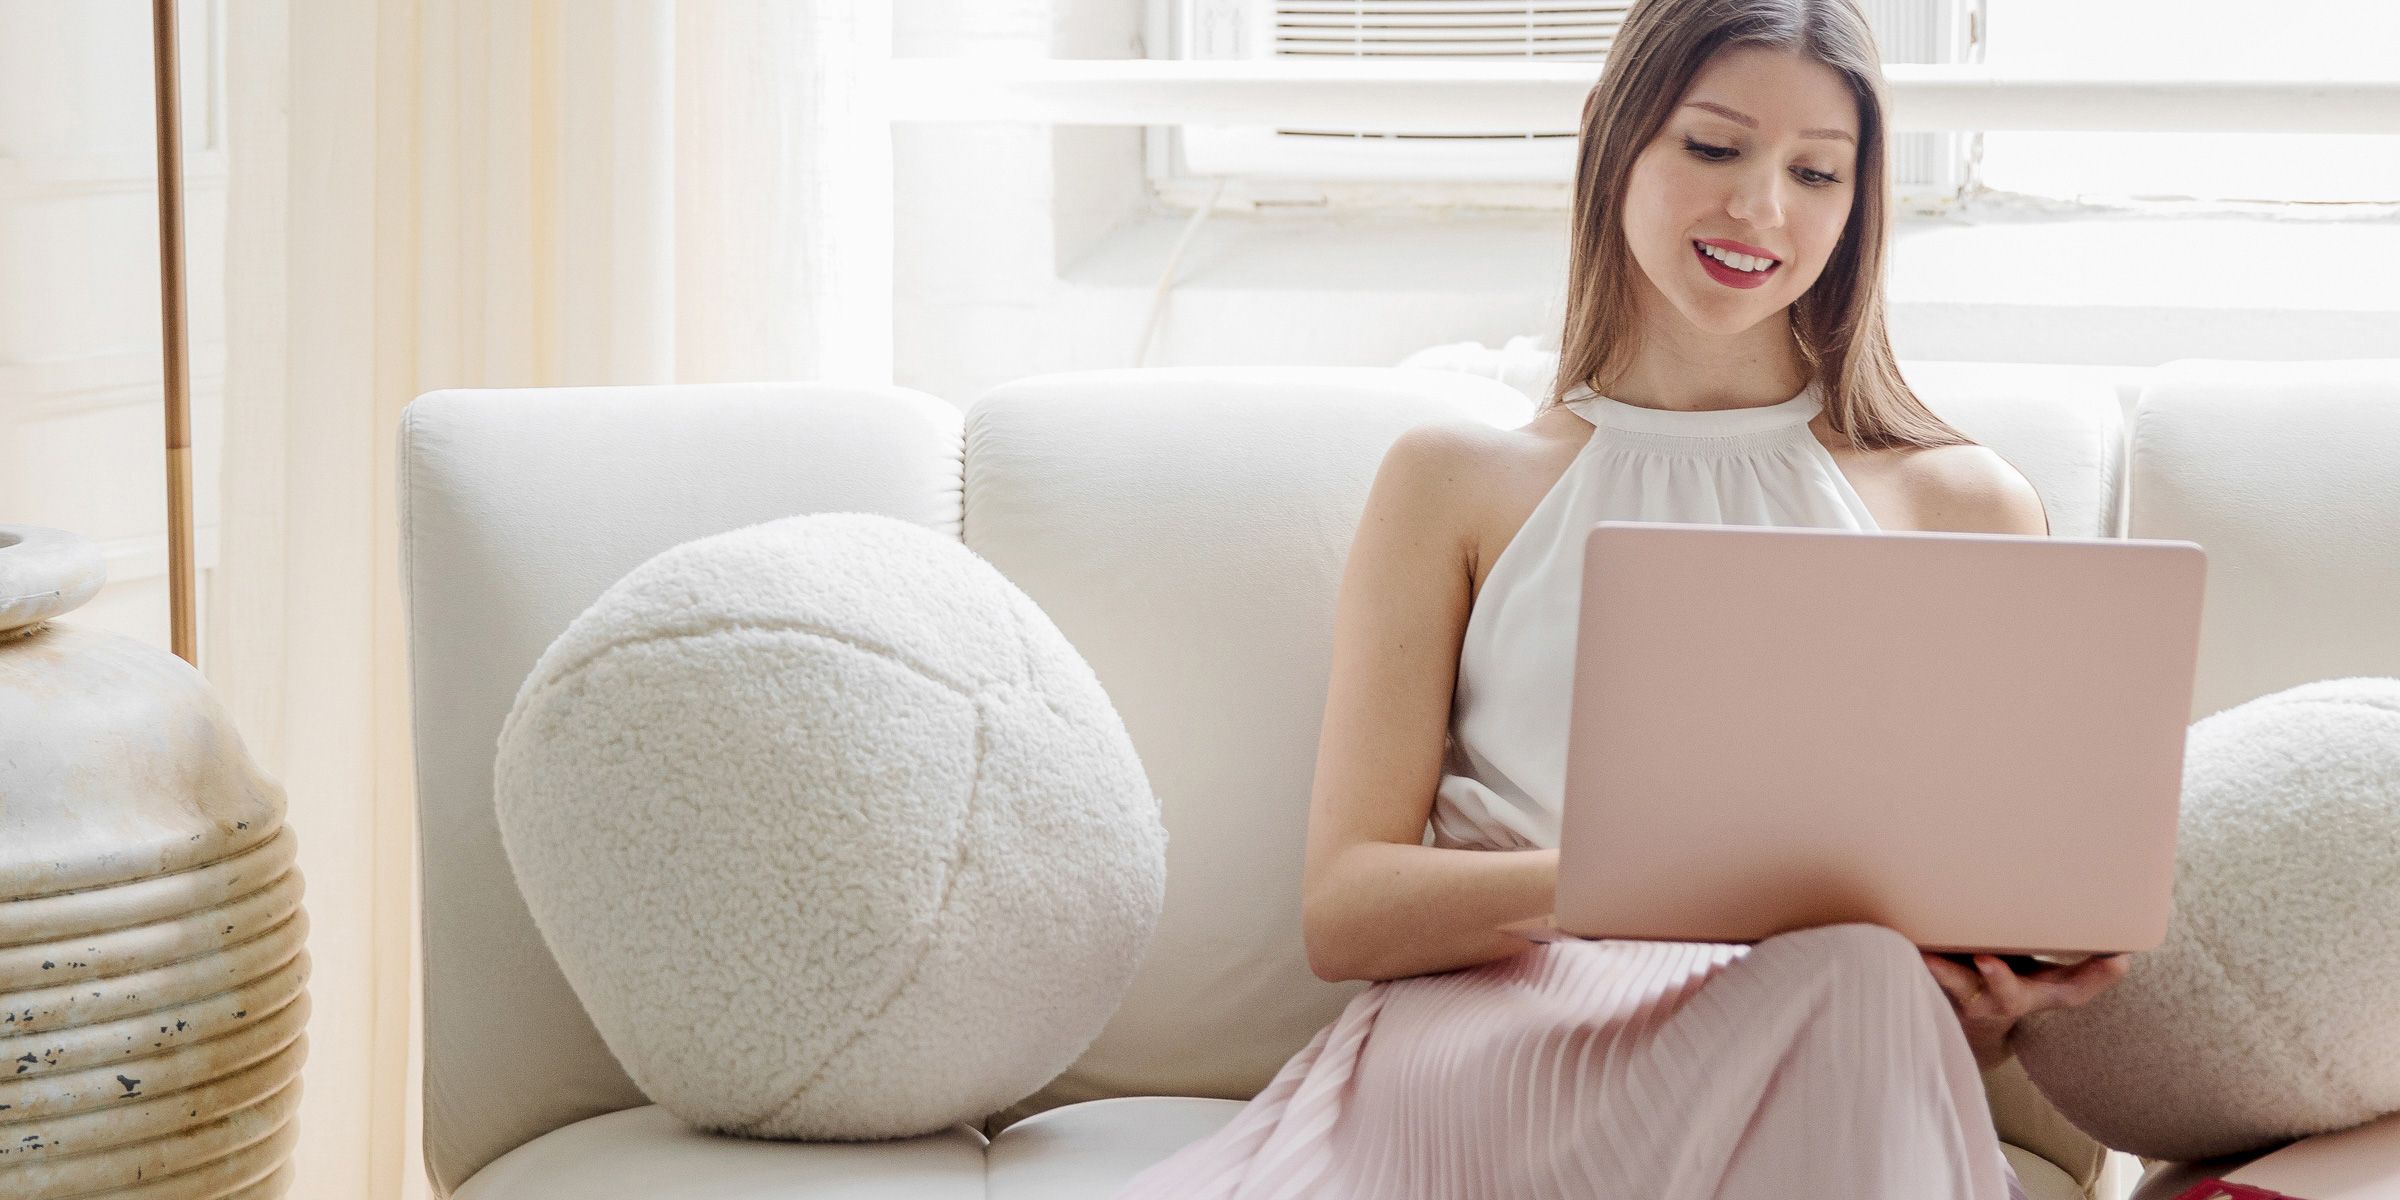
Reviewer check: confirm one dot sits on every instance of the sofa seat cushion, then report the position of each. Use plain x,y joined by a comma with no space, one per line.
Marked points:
1079,1152
1087,1151
647,1154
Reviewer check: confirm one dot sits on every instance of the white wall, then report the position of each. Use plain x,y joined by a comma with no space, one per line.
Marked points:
82,427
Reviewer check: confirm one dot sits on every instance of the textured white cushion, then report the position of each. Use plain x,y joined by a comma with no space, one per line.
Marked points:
2269,1012
832,831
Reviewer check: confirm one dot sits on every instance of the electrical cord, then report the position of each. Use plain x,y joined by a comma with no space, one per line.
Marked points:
1166,277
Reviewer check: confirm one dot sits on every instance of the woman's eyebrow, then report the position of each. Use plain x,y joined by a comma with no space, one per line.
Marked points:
1749,122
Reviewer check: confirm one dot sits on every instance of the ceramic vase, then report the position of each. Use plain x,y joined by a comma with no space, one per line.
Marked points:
152,969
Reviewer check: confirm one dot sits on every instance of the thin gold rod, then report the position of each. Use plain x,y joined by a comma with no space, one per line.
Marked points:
184,625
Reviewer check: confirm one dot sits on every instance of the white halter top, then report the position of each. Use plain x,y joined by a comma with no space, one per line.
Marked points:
1504,770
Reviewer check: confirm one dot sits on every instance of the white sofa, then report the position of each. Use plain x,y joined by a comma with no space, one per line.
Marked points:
1186,528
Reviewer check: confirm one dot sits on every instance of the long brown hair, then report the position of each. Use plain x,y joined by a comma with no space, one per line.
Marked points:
1839,322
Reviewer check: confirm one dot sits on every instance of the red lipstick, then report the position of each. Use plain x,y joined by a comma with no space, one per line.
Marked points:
1727,275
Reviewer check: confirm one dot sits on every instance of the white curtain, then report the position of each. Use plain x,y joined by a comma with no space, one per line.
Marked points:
485,193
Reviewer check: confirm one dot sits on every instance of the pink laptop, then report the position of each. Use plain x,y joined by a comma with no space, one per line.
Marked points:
1975,739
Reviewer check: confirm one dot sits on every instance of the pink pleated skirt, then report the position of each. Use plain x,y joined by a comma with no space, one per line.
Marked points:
1819,1063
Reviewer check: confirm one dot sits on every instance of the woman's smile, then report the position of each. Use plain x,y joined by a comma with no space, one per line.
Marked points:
1729,274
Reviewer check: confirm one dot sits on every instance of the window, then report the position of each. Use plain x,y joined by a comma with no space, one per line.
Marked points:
1488,31
2196,39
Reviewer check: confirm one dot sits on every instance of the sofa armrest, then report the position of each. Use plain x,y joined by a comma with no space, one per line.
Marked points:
2025,1118
2359,1163
518,507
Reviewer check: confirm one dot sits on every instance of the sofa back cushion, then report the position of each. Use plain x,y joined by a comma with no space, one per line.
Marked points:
2288,474
2063,427
1187,529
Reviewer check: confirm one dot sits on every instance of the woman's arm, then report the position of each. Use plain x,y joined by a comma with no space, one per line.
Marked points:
1377,903
1385,911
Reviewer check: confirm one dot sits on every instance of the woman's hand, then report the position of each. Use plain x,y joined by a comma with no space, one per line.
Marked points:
1991,998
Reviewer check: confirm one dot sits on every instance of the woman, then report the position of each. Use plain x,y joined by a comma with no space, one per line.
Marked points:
1724,359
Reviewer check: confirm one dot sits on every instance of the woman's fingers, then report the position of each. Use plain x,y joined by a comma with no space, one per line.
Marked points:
2013,994
1957,982
2096,975
1970,989
2074,985
1992,991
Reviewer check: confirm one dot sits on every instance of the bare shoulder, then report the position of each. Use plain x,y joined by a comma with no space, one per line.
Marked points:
1428,481
1445,452
1450,464
1970,489
1479,482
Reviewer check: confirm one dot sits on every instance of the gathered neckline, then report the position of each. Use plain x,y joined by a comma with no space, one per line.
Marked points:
1704,423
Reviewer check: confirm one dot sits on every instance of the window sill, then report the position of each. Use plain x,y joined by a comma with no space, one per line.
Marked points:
2114,288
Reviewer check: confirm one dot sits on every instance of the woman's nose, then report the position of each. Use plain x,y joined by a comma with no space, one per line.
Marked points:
1757,200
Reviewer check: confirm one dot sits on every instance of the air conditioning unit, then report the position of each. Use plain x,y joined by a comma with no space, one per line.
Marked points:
1488,31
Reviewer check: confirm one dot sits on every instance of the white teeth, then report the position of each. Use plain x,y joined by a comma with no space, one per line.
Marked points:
1739,262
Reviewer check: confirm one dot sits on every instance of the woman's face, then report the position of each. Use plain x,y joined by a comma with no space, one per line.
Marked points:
1757,155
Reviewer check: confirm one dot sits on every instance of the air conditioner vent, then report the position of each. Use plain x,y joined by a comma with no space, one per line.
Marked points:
1452,30
1486,31
1476,28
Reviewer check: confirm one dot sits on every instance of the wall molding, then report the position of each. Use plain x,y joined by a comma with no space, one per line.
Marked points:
107,173
144,555
39,389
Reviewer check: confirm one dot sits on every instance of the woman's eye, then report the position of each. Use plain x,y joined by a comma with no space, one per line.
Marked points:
1708,153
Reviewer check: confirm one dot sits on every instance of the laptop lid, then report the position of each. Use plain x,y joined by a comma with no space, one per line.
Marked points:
1976,739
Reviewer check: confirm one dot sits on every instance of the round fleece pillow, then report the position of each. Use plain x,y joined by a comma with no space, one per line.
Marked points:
833,833
2272,1010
